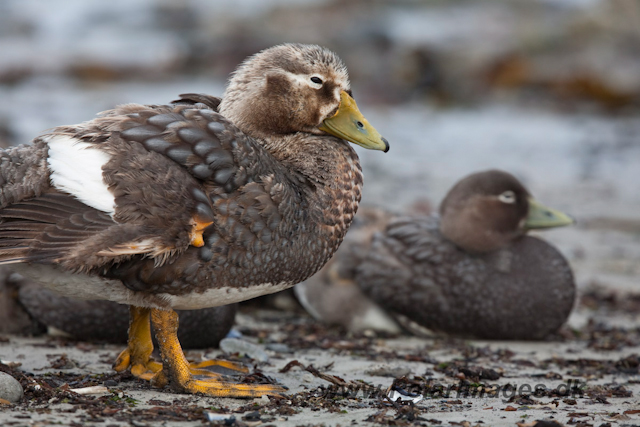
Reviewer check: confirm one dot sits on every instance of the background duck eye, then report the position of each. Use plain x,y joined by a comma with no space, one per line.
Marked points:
316,80
507,197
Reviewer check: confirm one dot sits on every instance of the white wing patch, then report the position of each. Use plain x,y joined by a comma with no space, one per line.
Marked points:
76,168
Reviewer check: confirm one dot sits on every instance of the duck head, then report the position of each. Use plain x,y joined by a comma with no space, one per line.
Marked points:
294,88
486,211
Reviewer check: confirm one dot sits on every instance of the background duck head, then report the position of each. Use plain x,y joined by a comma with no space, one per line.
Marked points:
488,210
294,88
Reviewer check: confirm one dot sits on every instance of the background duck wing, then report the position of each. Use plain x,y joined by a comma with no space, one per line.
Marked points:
406,262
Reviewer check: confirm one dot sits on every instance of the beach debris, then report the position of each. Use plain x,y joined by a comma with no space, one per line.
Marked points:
10,364
399,395
540,423
339,385
96,389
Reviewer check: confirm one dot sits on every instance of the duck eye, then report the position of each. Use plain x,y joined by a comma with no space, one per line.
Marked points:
316,80
507,197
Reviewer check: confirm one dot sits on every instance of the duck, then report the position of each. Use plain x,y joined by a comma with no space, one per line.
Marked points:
471,270
192,205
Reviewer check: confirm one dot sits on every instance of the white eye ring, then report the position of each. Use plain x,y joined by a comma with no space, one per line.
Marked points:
315,84
507,197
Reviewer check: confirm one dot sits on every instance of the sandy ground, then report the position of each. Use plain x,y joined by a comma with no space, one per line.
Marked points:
597,358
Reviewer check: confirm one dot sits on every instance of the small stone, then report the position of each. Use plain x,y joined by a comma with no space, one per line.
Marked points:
308,378
234,333
10,388
252,416
387,371
279,348
228,419
244,348
110,383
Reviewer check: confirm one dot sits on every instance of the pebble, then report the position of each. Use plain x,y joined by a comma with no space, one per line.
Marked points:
251,416
244,348
228,419
387,371
234,333
279,348
10,388
262,400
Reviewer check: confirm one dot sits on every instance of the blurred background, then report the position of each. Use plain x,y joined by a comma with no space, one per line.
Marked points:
548,90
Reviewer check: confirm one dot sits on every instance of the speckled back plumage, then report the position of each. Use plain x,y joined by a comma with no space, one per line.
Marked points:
524,291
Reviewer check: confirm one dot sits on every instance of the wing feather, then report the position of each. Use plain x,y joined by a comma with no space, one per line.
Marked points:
56,228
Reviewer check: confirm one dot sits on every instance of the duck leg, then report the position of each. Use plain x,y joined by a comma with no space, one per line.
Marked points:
184,378
137,355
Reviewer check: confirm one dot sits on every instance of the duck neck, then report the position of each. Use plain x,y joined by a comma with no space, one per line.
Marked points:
327,173
467,230
323,161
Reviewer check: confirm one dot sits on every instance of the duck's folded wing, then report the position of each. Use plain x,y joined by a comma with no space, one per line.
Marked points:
165,174
56,228
212,149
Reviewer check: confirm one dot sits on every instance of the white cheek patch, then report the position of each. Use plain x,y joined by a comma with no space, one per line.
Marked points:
76,168
305,79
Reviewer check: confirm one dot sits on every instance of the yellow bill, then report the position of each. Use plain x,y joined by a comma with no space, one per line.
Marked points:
349,123
541,216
